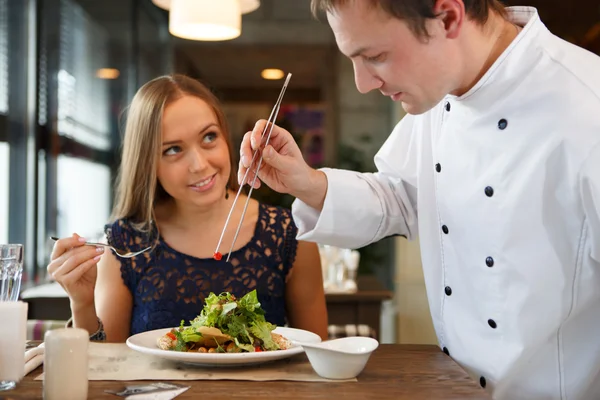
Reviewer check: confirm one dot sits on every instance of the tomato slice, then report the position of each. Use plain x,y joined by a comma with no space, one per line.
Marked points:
172,335
257,349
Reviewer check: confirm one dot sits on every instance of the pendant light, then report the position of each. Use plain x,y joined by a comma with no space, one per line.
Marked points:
246,6
207,20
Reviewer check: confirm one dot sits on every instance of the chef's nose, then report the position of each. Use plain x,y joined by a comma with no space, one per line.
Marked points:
365,80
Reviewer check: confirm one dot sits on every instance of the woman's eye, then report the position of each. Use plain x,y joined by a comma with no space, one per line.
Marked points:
209,137
172,151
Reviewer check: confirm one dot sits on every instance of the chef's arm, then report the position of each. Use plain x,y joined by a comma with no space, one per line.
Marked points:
590,196
359,208
362,208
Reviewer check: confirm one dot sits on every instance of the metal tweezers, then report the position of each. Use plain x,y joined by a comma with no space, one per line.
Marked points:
269,126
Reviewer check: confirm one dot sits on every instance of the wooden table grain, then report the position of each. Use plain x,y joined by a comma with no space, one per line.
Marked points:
393,372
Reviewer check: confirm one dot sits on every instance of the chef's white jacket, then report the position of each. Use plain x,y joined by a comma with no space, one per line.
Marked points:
502,185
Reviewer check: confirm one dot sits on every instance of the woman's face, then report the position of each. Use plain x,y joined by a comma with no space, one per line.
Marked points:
194,165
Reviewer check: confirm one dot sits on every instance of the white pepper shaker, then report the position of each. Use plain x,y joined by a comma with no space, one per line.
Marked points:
66,364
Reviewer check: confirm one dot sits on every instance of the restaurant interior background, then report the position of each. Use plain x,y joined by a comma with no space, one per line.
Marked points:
68,69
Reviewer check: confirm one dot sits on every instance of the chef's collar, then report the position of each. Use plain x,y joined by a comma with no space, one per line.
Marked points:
512,65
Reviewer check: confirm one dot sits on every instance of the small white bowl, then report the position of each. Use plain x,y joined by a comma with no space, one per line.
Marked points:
342,358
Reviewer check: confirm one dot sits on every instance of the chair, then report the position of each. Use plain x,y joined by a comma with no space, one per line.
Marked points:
339,331
37,328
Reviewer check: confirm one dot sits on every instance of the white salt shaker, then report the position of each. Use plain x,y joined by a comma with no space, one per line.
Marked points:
66,364
13,334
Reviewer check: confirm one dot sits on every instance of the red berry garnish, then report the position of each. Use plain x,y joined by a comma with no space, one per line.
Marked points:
217,256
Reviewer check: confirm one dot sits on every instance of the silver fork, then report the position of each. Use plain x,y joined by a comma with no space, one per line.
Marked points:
120,253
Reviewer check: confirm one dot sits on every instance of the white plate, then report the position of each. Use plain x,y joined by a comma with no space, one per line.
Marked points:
146,343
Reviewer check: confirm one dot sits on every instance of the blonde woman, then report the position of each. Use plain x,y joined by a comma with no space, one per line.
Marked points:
175,189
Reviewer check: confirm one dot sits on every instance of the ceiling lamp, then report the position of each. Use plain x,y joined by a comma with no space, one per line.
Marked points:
205,19
107,73
246,6
272,74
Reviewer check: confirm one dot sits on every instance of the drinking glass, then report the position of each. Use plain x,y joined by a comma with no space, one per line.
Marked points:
11,269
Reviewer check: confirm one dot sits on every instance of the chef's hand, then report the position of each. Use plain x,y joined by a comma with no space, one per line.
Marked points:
283,168
74,266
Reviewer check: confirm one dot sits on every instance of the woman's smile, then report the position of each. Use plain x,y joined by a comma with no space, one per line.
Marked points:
204,184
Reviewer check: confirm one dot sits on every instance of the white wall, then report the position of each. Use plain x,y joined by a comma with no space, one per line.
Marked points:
414,323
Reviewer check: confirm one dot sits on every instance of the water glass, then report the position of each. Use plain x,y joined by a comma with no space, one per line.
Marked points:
11,269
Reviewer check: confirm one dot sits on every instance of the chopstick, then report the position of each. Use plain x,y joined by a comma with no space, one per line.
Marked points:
269,125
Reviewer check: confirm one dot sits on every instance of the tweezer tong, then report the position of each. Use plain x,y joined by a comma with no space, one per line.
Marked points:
269,125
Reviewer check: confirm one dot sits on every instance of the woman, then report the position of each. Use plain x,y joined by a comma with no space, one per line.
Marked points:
175,189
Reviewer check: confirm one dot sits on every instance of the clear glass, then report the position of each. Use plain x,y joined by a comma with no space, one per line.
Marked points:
11,269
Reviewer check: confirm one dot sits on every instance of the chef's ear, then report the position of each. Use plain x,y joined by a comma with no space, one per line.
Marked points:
451,15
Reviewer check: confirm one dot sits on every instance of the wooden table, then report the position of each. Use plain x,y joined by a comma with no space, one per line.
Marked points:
393,372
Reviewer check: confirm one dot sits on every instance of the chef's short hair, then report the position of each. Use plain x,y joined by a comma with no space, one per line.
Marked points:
416,12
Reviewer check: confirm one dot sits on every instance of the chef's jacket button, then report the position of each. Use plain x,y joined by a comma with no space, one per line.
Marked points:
438,167
489,191
502,124
482,382
489,262
445,229
448,106
492,323
448,290
445,350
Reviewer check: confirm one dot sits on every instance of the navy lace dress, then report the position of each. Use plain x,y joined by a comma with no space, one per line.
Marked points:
168,286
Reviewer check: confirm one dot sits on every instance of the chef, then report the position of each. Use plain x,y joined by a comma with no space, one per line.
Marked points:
496,168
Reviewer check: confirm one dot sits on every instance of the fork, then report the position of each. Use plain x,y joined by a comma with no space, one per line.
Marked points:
269,126
120,253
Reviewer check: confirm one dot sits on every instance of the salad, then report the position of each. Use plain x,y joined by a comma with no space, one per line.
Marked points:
226,325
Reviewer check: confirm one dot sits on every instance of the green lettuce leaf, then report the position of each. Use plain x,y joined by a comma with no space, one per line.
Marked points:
262,330
227,308
190,334
180,344
250,301
243,346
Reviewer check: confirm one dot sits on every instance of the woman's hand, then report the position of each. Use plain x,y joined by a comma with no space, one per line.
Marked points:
74,266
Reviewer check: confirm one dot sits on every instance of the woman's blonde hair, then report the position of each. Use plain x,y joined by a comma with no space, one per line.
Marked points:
137,188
